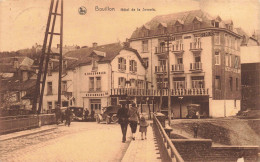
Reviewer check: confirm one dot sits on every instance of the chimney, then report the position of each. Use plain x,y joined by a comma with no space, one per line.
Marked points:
94,44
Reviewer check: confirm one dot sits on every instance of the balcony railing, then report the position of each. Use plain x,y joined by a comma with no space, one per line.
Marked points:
177,47
178,68
194,46
163,92
160,69
160,50
196,66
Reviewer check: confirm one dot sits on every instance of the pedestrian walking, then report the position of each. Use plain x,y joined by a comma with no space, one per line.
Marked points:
92,113
86,114
68,114
143,127
133,119
122,115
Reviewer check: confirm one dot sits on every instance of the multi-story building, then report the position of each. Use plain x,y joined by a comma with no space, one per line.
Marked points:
93,74
204,55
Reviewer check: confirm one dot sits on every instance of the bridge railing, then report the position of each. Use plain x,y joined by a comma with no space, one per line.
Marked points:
172,153
21,122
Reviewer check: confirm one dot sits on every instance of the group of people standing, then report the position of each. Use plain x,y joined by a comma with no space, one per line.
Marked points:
132,117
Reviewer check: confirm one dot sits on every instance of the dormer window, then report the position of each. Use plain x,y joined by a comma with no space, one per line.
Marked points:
215,23
94,65
162,28
145,31
196,23
178,25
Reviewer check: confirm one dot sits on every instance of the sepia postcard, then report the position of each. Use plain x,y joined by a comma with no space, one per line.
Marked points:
130,80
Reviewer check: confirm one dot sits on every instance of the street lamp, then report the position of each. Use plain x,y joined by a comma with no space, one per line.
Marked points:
180,99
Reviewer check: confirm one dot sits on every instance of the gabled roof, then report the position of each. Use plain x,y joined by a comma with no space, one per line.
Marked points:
184,18
84,55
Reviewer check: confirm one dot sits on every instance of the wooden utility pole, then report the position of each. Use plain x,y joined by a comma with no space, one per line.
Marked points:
169,80
45,56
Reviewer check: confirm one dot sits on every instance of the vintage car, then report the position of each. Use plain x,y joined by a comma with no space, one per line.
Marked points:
77,113
108,114
193,111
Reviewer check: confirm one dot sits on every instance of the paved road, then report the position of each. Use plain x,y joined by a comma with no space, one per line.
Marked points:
80,142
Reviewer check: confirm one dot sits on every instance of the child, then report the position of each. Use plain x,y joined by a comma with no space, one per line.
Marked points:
143,127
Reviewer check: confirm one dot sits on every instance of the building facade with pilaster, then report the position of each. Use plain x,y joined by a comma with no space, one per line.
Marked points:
204,53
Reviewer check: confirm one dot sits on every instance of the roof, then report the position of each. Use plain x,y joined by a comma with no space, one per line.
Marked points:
184,18
14,84
106,53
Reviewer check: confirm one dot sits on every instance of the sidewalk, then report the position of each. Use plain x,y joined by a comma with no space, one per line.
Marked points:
27,132
143,150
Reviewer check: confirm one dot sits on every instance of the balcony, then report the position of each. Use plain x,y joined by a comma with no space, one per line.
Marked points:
196,67
195,47
116,92
178,68
160,50
177,48
160,69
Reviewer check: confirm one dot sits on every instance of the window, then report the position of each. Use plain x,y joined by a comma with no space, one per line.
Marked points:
94,65
133,83
237,84
217,39
146,61
217,83
197,82
178,28
162,62
98,82
65,103
226,59
196,25
230,60
197,59
121,64
49,105
95,105
145,46
179,60
133,66
236,62
140,84
179,83
50,68
64,86
121,82
215,24
49,88
226,40
64,64
145,33
91,83
231,83
217,58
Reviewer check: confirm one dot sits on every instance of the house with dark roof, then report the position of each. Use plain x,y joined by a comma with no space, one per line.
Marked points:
92,74
204,54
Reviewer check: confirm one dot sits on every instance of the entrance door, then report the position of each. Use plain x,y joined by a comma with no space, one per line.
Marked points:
95,104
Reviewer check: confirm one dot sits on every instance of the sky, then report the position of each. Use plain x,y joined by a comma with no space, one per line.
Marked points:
23,22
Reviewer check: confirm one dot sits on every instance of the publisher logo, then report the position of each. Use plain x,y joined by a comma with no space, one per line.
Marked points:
82,10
